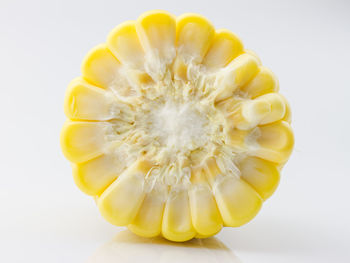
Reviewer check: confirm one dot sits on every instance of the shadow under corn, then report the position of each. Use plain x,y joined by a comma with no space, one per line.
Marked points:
126,247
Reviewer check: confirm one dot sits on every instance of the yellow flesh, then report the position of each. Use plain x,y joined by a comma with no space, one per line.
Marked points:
175,128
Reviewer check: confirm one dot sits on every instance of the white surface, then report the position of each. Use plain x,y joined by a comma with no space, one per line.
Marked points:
45,218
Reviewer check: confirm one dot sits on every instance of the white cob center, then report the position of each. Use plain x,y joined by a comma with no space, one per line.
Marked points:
178,127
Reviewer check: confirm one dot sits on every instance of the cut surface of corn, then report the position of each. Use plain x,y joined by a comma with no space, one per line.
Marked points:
175,128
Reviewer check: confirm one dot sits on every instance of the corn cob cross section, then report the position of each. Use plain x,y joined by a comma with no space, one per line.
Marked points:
175,128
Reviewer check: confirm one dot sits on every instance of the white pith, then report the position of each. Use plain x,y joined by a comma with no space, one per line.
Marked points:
173,124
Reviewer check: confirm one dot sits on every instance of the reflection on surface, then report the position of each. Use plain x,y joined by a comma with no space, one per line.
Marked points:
128,248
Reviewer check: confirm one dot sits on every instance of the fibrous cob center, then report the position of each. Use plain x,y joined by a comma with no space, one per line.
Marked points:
178,127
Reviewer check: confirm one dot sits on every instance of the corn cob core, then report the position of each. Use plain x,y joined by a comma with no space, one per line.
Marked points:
175,128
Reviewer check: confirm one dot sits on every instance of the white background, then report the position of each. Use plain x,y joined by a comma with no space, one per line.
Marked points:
45,218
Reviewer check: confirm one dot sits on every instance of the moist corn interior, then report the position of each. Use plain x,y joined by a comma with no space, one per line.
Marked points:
175,128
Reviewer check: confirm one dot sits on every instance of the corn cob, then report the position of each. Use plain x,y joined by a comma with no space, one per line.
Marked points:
175,128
